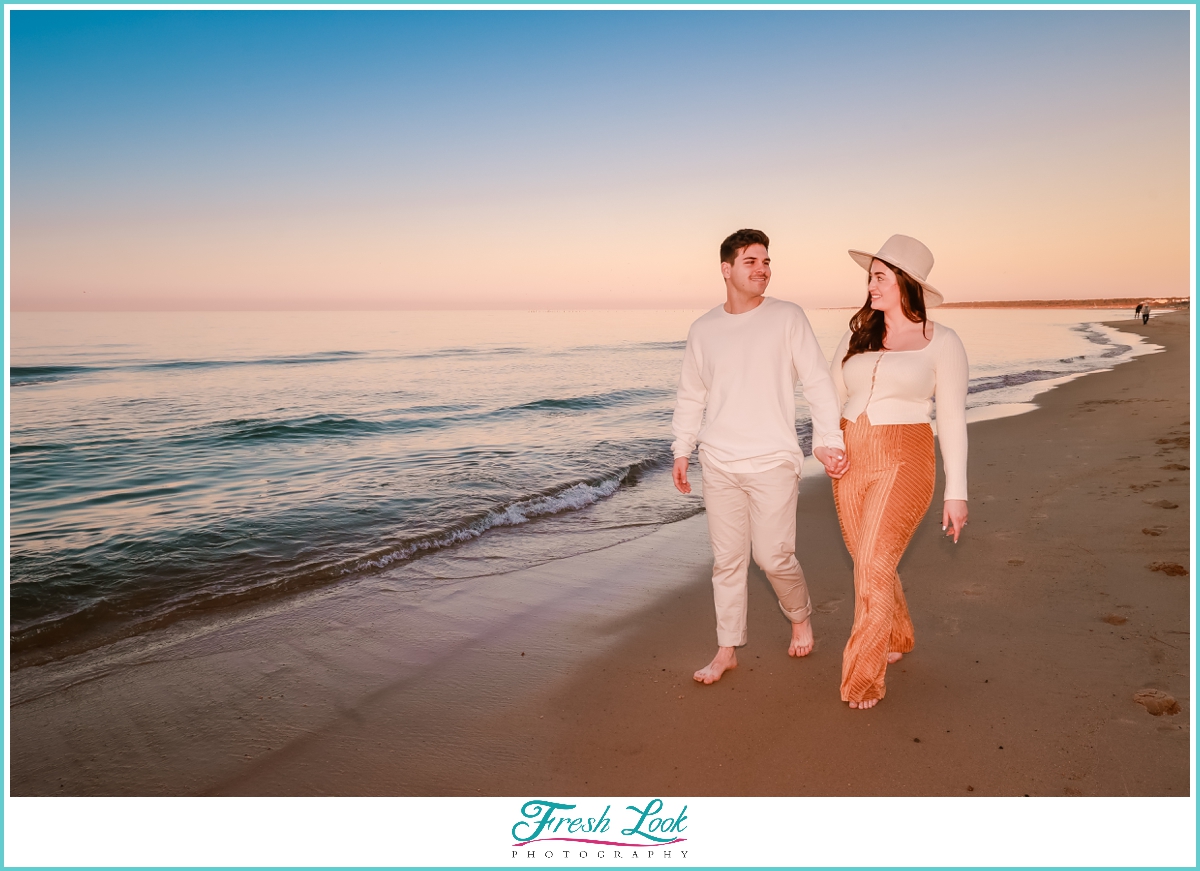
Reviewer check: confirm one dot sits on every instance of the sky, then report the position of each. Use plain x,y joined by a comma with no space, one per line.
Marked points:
401,159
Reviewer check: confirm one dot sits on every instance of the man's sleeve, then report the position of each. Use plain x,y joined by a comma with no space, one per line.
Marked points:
689,403
812,369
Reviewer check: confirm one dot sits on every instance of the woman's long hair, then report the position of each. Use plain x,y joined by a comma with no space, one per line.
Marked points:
867,327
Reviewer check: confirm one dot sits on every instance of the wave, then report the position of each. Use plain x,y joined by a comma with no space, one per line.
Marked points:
568,497
36,449
26,376
592,401
464,352
289,360
45,371
315,426
1012,379
20,376
1112,349
658,346
257,430
675,345
127,587
1066,365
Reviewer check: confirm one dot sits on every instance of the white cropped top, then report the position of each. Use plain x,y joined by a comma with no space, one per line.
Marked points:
901,386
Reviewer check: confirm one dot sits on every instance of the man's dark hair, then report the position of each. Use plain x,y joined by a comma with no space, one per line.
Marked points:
741,239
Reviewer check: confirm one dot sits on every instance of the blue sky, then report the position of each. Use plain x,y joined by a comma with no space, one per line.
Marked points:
509,159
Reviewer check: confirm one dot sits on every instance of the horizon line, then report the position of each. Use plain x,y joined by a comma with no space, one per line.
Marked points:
1059,302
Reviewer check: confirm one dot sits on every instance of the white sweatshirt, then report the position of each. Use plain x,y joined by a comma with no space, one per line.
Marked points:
899,387
739,378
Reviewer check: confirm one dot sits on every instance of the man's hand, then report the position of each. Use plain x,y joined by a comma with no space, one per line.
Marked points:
954,517
834,460
679,475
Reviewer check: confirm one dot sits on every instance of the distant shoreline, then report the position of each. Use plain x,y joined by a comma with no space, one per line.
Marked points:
1161,304
1126,302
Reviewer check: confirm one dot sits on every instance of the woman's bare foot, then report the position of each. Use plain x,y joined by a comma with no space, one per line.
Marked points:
725,660
865,703
802,639
894,657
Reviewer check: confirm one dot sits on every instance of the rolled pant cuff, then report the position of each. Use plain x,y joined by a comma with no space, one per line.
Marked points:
731,641
799,615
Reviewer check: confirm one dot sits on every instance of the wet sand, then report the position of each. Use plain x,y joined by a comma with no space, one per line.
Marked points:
574,678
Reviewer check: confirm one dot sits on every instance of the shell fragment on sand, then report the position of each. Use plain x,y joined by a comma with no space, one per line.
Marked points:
1157,702
1170,569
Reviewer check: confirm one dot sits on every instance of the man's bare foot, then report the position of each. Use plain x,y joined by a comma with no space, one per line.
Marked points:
894,657
725,660
802,639
865,703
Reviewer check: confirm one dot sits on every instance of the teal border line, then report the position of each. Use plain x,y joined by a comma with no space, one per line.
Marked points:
875,5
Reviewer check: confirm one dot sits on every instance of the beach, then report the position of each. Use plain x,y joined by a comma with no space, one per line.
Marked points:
1068,594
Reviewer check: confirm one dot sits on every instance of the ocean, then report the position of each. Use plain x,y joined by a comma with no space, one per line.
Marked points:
167,465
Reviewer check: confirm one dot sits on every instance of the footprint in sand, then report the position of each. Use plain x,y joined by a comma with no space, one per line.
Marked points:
1115,619
828,607
1173,570
1157,702
1176,466
1154,530
1161,503
1015,561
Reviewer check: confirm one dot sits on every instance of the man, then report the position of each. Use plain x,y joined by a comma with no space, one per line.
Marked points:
739,377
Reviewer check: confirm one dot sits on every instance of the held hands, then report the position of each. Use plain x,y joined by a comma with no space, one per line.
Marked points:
679,475
954,517
834,460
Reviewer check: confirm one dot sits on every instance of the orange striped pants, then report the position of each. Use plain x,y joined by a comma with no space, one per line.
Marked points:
880,501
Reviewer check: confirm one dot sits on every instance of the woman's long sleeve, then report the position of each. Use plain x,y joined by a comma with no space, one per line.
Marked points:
951,397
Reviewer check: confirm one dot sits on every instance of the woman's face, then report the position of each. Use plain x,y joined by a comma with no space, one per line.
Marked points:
883,287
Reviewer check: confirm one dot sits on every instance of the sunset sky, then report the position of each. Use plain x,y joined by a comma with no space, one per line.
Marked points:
401,159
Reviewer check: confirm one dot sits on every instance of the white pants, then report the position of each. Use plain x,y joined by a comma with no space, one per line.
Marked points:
753,512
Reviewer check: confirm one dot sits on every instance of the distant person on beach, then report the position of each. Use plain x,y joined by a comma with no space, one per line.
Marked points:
740,368
1145,313
1137,311
887,368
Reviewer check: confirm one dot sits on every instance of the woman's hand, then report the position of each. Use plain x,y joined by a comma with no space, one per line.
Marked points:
679,475
834,460
954,517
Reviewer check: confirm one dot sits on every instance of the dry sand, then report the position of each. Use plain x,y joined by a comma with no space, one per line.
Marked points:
1034,634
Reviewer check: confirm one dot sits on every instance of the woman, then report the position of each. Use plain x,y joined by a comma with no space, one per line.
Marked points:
887,369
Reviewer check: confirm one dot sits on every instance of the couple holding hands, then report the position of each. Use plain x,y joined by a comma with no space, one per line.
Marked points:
871,431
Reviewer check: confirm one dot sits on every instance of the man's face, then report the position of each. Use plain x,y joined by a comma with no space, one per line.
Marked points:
750,271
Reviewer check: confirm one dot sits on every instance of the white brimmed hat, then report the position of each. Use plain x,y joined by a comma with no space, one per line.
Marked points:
908,254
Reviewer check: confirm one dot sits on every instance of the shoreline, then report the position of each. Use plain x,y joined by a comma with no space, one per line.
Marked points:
310,698
1179,304
57,646
96,640
1033,633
